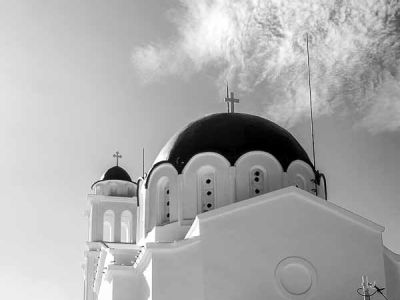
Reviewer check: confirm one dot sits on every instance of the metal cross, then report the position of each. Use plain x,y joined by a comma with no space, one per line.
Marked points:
231,102
117,155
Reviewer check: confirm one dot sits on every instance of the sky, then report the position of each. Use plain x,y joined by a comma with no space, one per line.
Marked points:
80,80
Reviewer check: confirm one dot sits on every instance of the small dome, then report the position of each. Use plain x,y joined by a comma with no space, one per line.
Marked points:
115,173
231,135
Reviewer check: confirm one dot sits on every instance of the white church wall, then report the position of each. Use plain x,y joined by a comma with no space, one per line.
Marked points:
167,233
207,183
392,272
121,279
144,272
123,284
257,172
300,174
106,290
118,283
287,244
177,271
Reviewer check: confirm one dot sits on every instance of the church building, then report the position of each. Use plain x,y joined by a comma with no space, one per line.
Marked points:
231,209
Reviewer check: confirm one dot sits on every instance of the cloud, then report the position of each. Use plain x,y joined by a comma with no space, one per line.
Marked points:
155,62
260,45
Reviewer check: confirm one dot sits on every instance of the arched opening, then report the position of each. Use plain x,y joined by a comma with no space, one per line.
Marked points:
108,226
126,227
257,173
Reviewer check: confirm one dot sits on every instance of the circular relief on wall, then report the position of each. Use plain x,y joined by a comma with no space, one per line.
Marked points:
295,277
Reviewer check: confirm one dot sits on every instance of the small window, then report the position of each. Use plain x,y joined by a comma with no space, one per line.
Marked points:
207,192
256,182
165,202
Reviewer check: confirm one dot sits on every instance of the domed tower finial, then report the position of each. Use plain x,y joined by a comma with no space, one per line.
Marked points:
117,156
115,182
230,100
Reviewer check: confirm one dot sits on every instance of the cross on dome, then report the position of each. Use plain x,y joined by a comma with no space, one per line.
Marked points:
117,156
231,102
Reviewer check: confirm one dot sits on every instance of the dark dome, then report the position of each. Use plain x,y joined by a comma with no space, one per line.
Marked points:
115,173
231,135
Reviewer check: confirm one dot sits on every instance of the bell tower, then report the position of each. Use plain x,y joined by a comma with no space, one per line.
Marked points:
112,219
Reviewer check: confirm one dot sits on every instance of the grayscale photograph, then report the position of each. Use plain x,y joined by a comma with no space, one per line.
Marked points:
200,149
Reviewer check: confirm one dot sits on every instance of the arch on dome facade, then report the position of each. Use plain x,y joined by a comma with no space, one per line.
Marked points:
301,175
257,172
162,196
208,180
163,201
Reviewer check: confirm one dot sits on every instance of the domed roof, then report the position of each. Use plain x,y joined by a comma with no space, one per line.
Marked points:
115,173
231,135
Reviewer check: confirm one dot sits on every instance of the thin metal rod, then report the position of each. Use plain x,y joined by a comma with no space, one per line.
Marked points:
311,110
312,119
143,163
227,94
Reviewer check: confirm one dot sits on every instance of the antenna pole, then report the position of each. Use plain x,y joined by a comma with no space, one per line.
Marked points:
311,110
311,117
227,94
143,162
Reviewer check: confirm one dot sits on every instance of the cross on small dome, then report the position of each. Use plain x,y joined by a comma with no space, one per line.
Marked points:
117,156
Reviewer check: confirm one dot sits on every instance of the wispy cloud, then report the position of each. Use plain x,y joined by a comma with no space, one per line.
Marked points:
354,48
